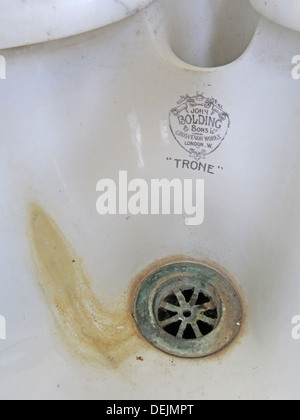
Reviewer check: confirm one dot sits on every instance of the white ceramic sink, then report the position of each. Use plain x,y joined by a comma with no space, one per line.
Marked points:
77,110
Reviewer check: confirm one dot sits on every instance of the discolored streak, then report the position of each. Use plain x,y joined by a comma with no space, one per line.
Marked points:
90,330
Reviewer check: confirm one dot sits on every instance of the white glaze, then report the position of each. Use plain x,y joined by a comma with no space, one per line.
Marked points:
75,112
32,21
286,13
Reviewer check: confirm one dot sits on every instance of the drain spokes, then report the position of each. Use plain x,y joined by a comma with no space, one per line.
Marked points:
187,313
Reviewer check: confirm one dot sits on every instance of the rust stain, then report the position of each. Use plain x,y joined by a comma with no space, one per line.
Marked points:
140,358
92,332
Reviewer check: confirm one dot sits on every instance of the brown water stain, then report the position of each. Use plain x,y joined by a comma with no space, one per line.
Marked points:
92,332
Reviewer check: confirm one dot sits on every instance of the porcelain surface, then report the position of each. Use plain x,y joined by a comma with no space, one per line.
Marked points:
286,13
78,110
34,21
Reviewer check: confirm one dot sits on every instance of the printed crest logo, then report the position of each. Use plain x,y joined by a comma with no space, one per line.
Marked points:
199,125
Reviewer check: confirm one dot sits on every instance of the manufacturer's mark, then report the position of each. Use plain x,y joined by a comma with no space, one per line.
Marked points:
196,166
199,124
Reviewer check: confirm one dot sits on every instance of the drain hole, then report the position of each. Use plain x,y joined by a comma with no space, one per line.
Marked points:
189,333
202,299
172,299
173,328
212,313
164,314
188,294
204,328
187,313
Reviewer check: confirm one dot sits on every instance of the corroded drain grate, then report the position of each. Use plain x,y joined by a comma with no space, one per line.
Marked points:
188,310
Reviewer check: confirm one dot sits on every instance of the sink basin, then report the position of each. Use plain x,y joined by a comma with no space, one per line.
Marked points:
79,110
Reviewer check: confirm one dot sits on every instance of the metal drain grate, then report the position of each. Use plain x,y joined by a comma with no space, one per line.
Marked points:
188,313
188,310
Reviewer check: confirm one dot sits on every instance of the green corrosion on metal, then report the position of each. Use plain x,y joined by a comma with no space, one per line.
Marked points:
188,310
